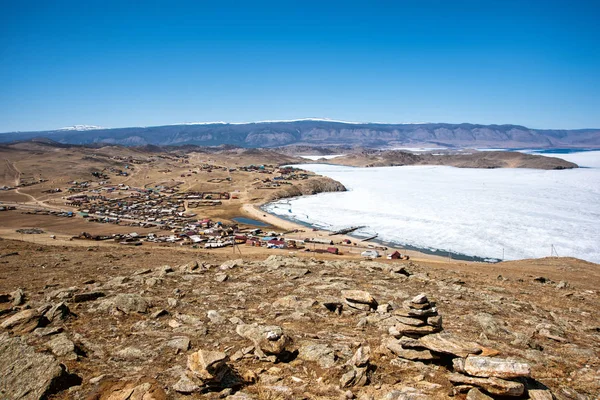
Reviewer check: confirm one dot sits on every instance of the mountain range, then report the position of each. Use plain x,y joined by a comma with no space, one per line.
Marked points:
315,132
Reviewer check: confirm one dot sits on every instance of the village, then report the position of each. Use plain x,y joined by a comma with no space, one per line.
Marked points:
179,210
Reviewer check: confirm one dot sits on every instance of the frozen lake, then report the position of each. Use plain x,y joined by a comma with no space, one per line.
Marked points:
475,212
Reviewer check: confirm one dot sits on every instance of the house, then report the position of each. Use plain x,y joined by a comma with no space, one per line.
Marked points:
396,255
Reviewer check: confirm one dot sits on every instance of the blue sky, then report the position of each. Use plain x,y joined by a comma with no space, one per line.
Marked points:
129,63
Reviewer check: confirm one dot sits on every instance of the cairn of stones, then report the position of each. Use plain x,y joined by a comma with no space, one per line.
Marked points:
417,317
417,336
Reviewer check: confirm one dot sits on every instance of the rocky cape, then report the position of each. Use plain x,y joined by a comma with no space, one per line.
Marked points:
324,133
486,159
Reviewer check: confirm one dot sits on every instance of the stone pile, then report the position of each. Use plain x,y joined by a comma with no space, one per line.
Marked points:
418,317
417,337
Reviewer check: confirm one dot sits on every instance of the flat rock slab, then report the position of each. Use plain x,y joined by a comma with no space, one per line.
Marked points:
449,344
82,297
409,354
62,346
494,386
358,296
22,322
486,367
416,330
129,303
321,353
25,374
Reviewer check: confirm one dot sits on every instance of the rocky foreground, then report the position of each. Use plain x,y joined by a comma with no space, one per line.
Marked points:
288,328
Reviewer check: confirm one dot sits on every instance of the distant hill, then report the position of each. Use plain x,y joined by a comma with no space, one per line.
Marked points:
313,132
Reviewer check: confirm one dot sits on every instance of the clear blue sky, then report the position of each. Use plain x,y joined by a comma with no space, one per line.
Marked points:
128,63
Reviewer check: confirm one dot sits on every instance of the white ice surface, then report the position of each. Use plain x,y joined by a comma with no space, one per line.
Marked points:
476,212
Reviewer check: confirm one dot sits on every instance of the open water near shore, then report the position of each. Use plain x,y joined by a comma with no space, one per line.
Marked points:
471,213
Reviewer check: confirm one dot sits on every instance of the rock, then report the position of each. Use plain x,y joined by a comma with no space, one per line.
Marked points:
28,375
294,302
492,326
128,303
189,267
230,264
22,322
420,299
164,270
172,302
208,365
81,297
562,285
405,393
221,277
58,312
409,321
475,394
215,317
449,344
551,331
384,308
142,271
269,340
416,330
134,354
566,393
354,377
539,394
411,312
143,389
415,355
358,296
494,386
486,367
41,332
185,385
361,357
294,273
18,297
179,342
159,313
61,294
435,321
458,365
152,281
321,353
62,346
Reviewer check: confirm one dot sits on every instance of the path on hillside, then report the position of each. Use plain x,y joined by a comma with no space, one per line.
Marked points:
11,169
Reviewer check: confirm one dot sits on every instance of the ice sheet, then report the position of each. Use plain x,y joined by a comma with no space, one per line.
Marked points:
476,212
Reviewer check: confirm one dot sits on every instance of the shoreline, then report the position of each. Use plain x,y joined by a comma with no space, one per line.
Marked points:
255,211
403,248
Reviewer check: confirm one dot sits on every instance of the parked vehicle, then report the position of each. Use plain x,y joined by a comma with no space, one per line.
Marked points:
370,254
